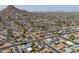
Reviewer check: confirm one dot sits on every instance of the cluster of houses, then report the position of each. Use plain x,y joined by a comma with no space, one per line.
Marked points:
67,41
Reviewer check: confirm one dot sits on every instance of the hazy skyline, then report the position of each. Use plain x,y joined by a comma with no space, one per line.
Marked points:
44,8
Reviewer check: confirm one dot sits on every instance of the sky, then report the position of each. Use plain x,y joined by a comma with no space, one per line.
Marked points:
46,8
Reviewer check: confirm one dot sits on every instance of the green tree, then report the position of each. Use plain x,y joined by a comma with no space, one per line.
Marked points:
72,37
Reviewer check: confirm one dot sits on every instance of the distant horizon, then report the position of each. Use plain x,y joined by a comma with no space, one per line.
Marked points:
46,8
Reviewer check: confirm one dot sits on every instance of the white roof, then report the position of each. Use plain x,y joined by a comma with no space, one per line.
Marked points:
68,50
49,39
70,43
29,49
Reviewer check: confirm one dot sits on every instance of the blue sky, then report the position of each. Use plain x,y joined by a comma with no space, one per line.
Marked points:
44,8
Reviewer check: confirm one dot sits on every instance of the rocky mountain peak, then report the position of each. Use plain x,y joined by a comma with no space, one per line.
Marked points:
12,11
10,8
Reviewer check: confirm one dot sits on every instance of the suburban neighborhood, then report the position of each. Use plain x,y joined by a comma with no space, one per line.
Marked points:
35,32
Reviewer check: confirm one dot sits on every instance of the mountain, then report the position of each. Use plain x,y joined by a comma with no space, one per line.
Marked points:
12,15
12,10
